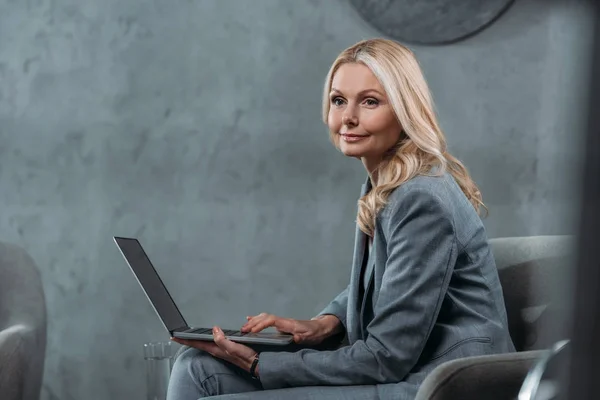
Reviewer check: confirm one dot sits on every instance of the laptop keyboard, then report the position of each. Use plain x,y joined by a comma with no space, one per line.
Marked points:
227,332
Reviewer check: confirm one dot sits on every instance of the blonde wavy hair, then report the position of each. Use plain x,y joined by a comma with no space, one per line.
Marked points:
422,144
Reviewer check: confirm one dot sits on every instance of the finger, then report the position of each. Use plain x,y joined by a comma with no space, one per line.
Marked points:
220,339
285,325
248,323
231,348
209,347
255,321
180,341
184,342
263,323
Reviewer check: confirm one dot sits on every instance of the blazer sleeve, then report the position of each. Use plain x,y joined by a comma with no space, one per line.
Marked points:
338,307
421,253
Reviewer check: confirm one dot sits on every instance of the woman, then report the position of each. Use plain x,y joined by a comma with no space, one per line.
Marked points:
424,287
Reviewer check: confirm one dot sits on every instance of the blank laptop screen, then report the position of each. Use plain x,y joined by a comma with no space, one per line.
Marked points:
151,283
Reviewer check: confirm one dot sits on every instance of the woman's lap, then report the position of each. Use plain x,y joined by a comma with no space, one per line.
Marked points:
308,393
197,374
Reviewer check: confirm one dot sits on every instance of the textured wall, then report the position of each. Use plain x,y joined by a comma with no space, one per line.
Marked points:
195,126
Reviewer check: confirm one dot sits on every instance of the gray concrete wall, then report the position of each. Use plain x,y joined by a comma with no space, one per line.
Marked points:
195,126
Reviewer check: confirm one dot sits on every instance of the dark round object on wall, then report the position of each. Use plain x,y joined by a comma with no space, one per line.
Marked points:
430,21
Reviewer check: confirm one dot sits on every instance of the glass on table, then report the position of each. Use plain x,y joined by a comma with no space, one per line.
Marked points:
159,358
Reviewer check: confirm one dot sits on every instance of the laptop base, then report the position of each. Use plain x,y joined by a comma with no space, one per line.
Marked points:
274,339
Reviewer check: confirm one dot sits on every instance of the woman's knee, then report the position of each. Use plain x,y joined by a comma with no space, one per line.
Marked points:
197,373
185,382
195,364
188,354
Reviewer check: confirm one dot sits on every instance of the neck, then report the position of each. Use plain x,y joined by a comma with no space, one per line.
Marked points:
371,167
373,178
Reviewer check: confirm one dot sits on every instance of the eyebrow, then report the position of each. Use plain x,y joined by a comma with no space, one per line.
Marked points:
362,92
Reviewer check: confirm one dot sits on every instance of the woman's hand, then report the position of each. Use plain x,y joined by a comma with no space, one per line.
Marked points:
223,348
311,332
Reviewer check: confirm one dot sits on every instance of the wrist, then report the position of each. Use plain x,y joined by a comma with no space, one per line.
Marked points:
254,367
330,324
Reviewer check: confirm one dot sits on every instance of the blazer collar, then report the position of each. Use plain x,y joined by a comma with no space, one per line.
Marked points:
366,187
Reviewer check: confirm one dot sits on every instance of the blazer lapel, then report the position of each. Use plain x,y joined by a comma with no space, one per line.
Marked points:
360,239
370,272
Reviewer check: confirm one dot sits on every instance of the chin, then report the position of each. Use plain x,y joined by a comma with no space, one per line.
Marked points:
351,152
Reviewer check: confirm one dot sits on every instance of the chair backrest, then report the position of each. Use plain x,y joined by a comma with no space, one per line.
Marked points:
22,325
533,271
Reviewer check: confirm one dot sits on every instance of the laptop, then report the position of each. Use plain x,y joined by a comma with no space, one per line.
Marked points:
167,310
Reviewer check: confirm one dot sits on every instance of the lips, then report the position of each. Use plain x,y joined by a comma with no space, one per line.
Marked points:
350,137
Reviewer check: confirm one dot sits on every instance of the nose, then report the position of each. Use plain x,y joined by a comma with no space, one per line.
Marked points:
349,119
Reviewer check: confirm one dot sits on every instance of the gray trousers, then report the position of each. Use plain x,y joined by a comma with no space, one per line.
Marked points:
197,374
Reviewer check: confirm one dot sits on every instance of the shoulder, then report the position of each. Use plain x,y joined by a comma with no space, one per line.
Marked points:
434,192
431,202
419,208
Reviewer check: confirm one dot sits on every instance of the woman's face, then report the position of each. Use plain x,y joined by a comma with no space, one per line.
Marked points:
361,119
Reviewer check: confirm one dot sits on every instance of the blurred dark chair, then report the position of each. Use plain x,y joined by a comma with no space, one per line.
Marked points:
22,325
531,269
545,377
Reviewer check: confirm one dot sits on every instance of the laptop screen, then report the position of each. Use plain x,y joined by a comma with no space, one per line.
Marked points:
151,283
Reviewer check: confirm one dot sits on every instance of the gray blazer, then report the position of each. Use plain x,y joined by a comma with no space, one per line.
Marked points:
433,295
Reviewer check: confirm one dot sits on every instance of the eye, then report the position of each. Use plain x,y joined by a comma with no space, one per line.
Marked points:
337,101
372,102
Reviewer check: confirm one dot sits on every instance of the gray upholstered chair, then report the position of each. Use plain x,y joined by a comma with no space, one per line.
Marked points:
22,325
532,270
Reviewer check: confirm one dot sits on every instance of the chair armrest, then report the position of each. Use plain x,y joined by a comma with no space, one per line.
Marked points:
544,374
13,366
494,377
